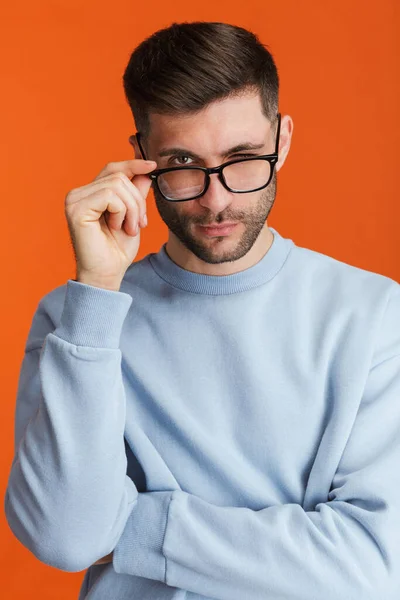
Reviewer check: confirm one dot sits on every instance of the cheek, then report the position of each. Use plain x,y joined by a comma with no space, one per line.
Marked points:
190,212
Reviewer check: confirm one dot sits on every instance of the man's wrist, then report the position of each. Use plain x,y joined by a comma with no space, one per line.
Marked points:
113,286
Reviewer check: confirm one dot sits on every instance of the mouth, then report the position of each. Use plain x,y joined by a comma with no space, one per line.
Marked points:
217,230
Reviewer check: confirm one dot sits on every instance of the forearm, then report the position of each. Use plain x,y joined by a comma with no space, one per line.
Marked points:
231,553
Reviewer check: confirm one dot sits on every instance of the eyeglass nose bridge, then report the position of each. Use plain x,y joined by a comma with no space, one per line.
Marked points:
211,171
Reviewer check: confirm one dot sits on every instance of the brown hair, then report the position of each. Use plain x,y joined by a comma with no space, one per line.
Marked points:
184,67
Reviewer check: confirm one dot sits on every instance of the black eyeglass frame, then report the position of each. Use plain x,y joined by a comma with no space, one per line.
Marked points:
271,158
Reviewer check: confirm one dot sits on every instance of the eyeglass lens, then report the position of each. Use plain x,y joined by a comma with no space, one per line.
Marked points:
242,176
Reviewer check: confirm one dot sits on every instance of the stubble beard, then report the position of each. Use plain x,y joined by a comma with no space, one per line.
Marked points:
182,225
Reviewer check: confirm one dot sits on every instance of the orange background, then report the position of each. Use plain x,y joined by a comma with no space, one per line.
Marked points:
65,117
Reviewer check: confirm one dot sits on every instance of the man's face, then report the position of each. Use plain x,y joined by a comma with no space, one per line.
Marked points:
220,126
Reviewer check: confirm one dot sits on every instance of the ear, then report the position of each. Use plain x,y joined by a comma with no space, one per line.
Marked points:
285,140
133,142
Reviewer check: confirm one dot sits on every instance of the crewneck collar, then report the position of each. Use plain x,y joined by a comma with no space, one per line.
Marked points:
218,285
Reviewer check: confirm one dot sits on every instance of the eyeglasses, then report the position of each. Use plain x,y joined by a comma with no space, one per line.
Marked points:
241,176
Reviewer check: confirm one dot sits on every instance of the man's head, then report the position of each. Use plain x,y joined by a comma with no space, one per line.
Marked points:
204,88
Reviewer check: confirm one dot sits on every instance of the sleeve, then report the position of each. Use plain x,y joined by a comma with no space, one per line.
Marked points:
347,547
68,496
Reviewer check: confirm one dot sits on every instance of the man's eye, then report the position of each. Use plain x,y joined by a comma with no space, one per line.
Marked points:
180,164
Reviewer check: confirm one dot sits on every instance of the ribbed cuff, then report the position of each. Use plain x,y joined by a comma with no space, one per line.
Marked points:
139,549
92,316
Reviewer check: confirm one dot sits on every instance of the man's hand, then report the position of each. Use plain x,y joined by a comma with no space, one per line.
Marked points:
105,559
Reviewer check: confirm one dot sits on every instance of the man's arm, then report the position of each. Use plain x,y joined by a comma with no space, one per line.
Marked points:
346,547
68,484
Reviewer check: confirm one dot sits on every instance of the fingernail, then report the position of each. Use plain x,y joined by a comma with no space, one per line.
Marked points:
137,229
145,220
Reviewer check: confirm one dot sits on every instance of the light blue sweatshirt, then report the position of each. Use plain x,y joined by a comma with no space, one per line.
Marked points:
229,437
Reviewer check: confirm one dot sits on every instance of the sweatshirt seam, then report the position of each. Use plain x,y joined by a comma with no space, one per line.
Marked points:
28,349
371,367
164,535
205,293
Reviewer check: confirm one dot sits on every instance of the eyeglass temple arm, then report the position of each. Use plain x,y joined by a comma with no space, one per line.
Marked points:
278,132
138,136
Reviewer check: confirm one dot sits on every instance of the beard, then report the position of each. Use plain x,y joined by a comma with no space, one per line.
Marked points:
180,224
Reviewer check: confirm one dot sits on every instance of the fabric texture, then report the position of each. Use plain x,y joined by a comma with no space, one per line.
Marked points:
228,437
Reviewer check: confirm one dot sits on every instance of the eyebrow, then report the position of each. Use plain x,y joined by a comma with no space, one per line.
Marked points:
238,148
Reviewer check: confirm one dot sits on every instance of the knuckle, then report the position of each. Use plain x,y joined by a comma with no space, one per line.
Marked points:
70,193
122,184
71,209
118,180
127,184
124,178
109,192
118,175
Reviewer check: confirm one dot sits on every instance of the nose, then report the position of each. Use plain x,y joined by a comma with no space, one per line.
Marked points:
216,198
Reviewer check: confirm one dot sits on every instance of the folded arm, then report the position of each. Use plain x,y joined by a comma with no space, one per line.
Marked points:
347,547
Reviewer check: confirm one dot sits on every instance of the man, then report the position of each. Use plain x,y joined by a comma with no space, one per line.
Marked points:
223,419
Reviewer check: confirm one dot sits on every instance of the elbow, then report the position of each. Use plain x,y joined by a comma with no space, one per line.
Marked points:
62,559
49,546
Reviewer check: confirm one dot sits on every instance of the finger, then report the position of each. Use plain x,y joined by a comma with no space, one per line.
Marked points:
139,194
130,213
116,213
118,178
92,207
143,184
132,199
139,189
135,204
118,182
130,168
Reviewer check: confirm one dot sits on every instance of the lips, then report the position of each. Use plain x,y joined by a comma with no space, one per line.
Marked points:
220,230
219,225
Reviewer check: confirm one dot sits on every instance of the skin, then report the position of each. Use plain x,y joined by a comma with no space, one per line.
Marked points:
221,125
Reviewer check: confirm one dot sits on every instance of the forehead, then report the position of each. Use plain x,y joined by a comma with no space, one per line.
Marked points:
220,125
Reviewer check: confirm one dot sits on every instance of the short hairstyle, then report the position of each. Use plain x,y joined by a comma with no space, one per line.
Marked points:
182,68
